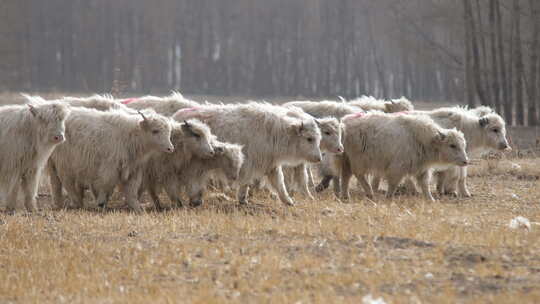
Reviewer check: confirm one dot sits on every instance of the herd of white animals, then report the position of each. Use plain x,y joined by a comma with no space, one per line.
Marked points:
150,144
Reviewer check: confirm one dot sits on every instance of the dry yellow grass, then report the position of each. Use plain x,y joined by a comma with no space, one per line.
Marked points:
403,250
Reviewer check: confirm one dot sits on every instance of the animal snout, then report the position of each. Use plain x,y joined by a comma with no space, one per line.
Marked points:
317,158
464,162
58,138
169,149
339,150
504,146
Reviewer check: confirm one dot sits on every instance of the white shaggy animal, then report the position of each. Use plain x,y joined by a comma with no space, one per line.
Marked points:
482,133
272,136
227,161
325,108
97,102
29,134
368,103
166,106
191,139
106,149
297,177
397,145
329,166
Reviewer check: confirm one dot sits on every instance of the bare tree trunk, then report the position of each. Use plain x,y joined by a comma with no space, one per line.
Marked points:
534,64
518,65
507,102
379,64
485,73
495,89
476,66
469,93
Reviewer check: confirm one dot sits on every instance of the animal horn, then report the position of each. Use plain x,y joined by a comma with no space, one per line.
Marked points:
144,117
32,109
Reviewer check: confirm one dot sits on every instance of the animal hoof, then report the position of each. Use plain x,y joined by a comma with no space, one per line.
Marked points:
320,188
196,203
289,203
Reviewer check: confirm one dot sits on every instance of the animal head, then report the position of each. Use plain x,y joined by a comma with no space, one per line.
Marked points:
398,105
330,135
194,136
51,117
231,158
451,146
306,136
157,130
494,130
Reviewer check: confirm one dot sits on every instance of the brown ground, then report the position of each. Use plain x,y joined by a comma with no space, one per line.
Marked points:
403,250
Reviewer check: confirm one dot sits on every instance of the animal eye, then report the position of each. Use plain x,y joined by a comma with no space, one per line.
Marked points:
155,131
496,130
196,135
453,146
310,139
327,133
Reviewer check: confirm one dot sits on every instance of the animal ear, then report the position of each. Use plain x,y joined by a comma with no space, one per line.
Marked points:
219,150
297,128
483,121
186,126
32,110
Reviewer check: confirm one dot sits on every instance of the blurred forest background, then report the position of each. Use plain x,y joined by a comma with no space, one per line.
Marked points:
467,51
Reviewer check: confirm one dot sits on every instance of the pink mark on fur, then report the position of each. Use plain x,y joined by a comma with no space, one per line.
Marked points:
355,115
187,110
129,100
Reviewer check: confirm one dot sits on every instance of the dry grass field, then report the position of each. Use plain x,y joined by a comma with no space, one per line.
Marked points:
404,250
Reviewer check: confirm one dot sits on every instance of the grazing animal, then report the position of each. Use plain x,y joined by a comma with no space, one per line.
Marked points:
395,146
191,139
272,136
29,134
368,103
97,102
166,106
329,166
227,161
106,149
297,177
483,132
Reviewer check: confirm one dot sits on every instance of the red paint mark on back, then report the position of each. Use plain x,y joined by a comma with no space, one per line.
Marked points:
355,115
129,100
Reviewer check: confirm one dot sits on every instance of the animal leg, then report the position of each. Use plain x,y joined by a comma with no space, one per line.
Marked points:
462,182
301,177
30,185
423,179
275,177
